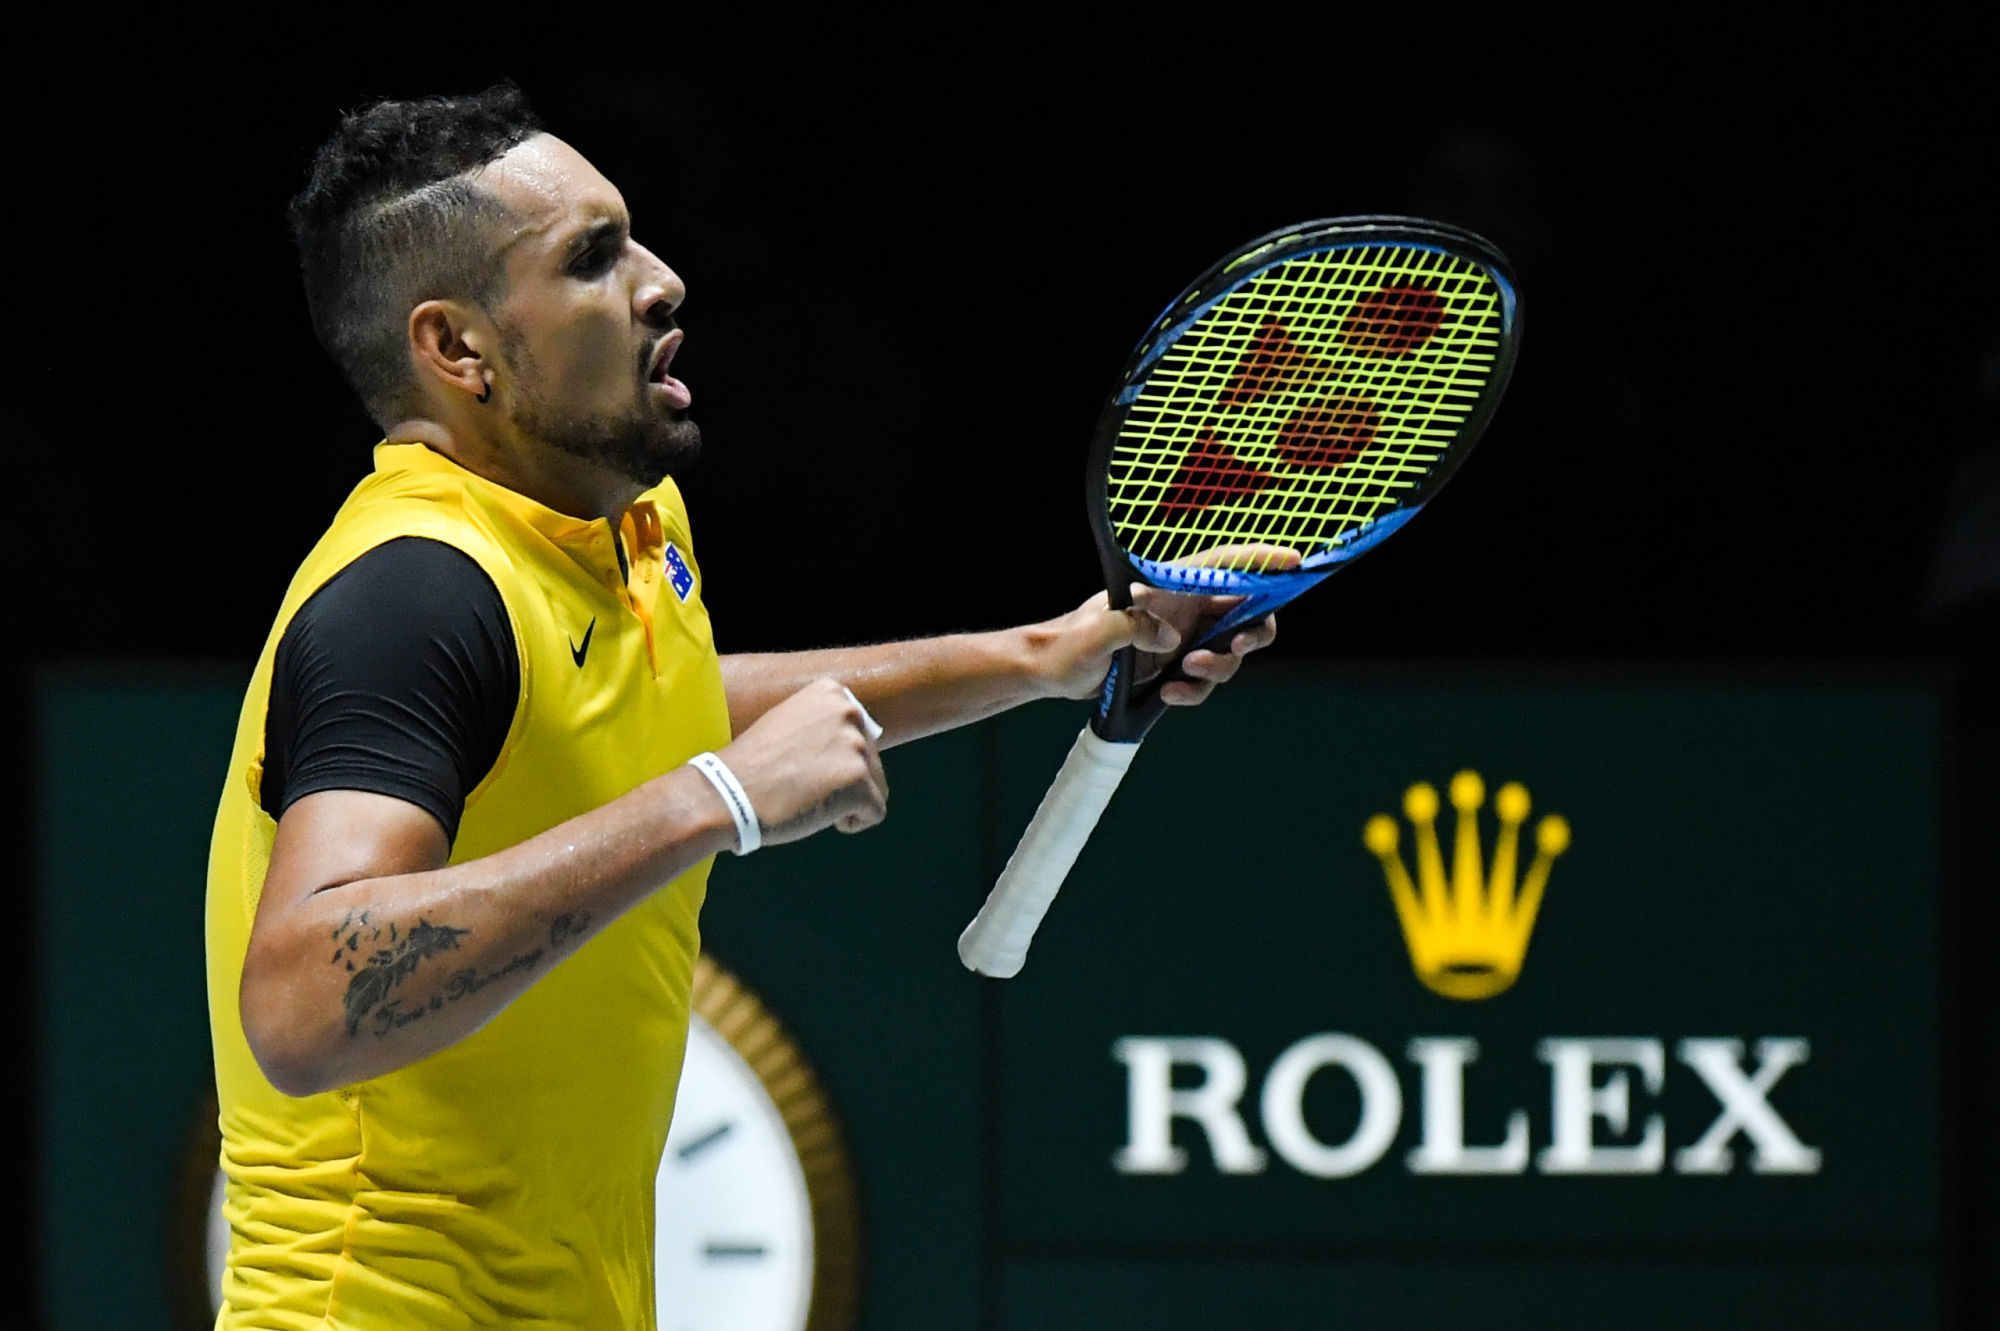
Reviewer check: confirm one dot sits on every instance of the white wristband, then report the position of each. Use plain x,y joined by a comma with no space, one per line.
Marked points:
749,835
868,723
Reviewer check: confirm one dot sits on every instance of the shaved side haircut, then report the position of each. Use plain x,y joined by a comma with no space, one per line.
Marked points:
387,220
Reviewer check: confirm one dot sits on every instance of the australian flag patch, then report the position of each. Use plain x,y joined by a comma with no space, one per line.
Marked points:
678,576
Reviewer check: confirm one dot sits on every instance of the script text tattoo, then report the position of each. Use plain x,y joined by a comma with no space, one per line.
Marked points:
381,957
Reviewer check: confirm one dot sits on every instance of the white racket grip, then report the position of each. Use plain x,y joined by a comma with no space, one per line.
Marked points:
996,942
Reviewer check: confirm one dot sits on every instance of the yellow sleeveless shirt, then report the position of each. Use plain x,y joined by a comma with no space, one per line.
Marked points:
507,1180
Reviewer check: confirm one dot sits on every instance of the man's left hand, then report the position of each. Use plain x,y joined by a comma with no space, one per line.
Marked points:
1157,623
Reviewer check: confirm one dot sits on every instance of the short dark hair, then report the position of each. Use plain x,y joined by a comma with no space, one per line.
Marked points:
386,221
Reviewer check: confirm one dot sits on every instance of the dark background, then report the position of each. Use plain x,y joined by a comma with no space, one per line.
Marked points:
1754,421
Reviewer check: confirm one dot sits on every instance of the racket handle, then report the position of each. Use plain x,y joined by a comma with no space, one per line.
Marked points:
996,942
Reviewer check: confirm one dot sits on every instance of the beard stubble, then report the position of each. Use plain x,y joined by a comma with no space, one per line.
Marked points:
643,445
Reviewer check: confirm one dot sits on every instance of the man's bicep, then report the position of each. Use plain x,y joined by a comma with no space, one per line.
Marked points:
332,838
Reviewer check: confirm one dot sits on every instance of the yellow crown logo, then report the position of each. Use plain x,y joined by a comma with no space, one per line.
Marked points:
1467,938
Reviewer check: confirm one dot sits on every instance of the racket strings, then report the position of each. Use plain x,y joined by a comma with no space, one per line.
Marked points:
1305,402
1376,323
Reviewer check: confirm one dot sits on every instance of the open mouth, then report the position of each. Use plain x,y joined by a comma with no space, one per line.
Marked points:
659,377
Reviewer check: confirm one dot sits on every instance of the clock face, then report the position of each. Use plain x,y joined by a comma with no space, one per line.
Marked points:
734,1240
754,1204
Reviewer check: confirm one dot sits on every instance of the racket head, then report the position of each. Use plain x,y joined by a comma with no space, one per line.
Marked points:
1312,390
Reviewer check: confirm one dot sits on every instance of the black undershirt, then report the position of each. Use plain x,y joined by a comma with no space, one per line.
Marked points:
398,676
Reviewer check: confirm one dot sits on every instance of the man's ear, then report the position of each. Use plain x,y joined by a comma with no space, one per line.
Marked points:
448,342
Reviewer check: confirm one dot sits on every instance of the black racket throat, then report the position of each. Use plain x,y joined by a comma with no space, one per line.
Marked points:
1127,707
1129,703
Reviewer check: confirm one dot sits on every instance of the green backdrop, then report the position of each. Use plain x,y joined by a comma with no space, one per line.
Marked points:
1751,861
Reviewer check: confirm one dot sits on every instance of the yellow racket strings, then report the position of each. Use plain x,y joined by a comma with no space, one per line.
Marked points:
1305,403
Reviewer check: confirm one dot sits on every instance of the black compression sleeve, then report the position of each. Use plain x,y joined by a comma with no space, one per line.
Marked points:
398,676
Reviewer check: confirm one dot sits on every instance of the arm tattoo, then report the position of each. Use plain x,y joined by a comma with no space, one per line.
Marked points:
380,957
570,924
385,961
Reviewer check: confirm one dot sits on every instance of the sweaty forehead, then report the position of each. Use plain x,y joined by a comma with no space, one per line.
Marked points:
551,189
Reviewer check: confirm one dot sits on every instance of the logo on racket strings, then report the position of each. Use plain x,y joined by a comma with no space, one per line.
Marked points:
1467,929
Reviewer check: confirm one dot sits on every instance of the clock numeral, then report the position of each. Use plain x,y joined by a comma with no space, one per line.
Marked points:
718,1252
706,1140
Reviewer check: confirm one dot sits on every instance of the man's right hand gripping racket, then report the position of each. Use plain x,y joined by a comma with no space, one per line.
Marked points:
1310,392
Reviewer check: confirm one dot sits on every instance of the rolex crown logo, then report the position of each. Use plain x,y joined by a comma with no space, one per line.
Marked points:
1468,935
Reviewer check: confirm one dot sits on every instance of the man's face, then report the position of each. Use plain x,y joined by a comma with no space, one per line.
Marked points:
585,315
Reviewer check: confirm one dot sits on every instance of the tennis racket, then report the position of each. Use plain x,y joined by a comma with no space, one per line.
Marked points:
1310,391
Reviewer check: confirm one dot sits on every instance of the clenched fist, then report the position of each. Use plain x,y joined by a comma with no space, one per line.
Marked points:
808,764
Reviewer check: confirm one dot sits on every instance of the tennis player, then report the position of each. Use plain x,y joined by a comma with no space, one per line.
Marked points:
489,753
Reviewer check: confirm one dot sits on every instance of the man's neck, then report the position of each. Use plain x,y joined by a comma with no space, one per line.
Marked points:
548,476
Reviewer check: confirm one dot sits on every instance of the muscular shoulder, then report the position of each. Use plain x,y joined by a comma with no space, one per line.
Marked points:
399,675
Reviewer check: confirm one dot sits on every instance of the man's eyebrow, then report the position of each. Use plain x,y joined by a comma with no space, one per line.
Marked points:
609,228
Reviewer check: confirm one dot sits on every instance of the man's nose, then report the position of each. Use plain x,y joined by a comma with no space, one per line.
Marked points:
656,298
